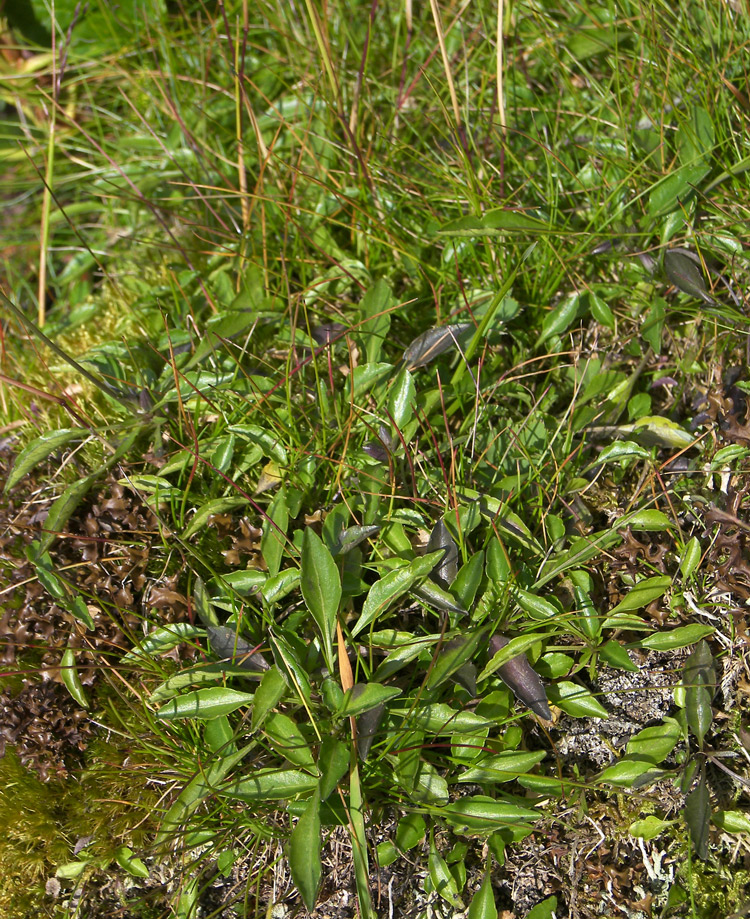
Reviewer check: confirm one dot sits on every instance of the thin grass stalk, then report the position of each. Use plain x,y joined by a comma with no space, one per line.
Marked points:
500,76
321,40
239,67
446,65
47,193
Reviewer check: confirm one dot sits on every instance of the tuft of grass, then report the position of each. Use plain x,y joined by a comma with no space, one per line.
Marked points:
406,410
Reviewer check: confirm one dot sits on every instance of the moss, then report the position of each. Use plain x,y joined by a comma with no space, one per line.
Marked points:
109,799
33,844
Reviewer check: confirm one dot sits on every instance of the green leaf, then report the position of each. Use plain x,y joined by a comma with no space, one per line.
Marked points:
268,442
601,311
453,656
321,588
654,744
652,328
364,696
50,580
655,431
217,506
698,816
164,639
535,606
376,320
194,676
691,558
675,189
196,791
287,740
576,700
386,853
468,579
333,763
676,638
732,821
203,605
544,910
649,828
613,653
63,508
77,606
366,376
482,904
480,814
278,587
695,137
621,450
71,679
38,450
291,669
224,453
628,771
218,735
643,593
304,852
699,680
391,587
267,696
504,767
271,785
438,718
410,831
442,880
204,704
402,398
134,866
430,786
497,221
439,599
561,318
650,521
274,529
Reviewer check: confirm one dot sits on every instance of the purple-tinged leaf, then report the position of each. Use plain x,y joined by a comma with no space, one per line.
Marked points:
432,343
522,679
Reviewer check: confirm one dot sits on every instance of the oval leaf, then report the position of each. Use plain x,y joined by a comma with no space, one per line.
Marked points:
643,593
204,704
321,587
219,506
364,696
391,587
304,852
271,785
483,902
576,700
38,450
70,677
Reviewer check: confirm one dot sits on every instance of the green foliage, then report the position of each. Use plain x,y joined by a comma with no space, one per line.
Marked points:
409,385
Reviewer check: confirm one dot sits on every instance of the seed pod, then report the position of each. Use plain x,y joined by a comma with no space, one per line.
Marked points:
427,346
227,645
367,725
444,573
519,676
